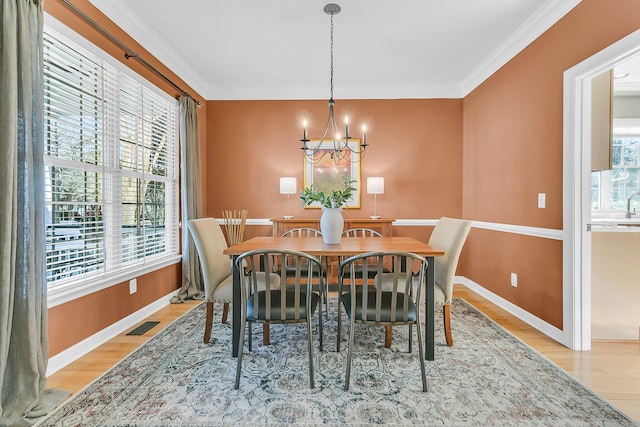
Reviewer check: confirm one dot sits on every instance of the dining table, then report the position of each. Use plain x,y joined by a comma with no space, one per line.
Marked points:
348,246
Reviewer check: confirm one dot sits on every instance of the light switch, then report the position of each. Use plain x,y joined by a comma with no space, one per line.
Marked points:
542,200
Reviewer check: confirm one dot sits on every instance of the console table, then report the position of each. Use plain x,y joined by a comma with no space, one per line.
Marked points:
383,225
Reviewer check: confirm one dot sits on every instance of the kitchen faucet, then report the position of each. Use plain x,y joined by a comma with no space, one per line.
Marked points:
628,213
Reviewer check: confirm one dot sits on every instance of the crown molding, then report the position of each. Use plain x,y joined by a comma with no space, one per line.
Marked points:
544,18
219,93
125,18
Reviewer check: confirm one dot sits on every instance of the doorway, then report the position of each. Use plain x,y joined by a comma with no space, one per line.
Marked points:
577,187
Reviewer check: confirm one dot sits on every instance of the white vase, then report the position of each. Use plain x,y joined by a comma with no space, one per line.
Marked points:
331,225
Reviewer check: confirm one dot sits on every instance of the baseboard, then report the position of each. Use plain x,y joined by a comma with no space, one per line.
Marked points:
76,351
533,321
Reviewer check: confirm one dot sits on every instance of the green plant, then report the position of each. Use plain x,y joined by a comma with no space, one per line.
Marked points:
335,199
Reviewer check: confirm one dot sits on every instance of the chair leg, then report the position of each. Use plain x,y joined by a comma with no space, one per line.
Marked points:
266,334
320,327
243,325
349,353
225,312
339,326
388,335
326,298
310,346
446,314
208,321
325,277
423,370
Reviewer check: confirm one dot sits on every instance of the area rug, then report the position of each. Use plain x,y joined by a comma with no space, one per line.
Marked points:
488,378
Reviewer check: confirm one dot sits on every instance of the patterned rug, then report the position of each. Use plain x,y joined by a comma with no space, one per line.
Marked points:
487,378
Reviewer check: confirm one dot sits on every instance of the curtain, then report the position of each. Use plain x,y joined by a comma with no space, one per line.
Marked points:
23,302
191,190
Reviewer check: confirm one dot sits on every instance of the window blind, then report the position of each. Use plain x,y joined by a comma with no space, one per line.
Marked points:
110,167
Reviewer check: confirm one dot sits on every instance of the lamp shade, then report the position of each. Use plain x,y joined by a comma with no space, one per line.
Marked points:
288,185
375,185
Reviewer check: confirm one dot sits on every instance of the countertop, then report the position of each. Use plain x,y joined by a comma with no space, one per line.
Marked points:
617,224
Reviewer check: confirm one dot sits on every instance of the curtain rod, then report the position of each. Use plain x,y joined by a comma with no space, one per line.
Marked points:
128,53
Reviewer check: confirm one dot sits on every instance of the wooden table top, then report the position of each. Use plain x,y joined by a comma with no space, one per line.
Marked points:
348,246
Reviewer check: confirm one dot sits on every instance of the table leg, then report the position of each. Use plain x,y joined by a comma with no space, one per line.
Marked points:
429,332
236,307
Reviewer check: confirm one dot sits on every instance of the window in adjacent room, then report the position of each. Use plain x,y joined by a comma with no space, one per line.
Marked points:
110,169
611,188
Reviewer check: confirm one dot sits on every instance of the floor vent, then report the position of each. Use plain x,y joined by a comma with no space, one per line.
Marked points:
142,329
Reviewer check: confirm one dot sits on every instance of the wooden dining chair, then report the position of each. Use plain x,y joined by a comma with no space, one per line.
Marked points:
294,303
396,304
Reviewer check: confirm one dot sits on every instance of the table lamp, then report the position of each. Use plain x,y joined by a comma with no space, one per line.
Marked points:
288,186
375,186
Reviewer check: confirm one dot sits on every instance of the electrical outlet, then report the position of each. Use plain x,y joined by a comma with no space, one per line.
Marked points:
542,200
514,280
133,286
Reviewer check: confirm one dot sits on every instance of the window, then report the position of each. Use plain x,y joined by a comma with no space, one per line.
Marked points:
610,189
110,169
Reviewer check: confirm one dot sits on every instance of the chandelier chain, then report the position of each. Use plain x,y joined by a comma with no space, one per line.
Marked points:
331,56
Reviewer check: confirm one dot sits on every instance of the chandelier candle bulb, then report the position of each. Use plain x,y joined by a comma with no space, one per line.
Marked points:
304,130
346,127
364,134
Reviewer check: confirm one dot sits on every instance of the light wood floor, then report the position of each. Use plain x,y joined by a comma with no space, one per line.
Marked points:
610,368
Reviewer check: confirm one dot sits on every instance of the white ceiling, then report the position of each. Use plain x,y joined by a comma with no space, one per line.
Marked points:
627,80
279,49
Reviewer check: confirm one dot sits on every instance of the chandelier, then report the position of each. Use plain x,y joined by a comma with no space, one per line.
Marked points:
338,147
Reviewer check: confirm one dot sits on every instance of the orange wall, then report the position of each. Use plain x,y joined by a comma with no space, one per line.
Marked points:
76,320
513,150
72,322
415,144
